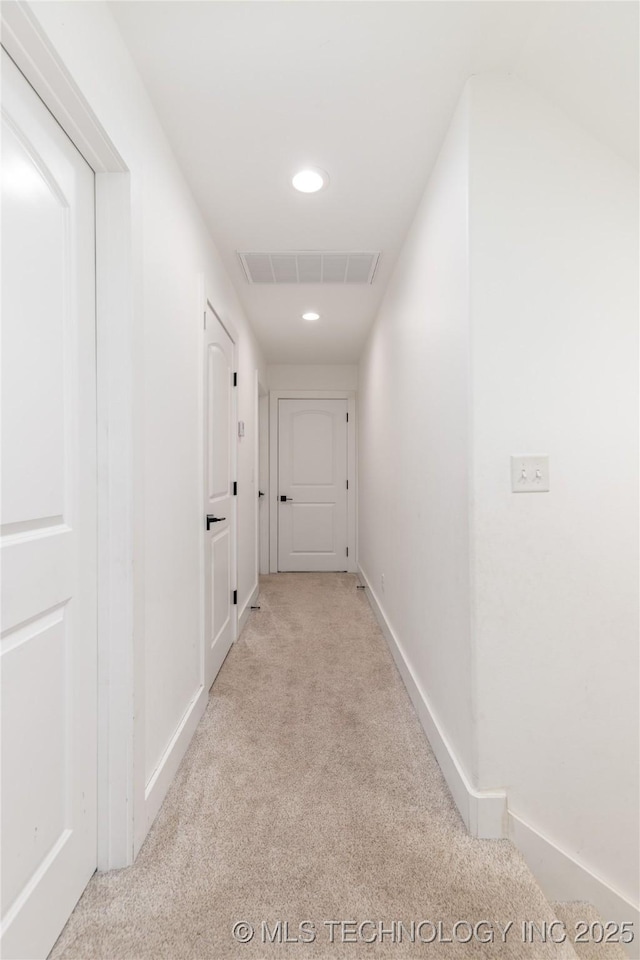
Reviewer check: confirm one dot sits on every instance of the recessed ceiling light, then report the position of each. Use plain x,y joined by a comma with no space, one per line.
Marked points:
310,180
310,315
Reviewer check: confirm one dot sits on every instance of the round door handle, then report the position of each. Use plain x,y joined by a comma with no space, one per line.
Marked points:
211,519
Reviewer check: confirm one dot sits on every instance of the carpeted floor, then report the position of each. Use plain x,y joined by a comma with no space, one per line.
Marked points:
309,793
574,916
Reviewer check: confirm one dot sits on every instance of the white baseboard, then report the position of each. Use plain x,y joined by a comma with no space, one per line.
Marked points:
563,878
160,781
484,812
245,612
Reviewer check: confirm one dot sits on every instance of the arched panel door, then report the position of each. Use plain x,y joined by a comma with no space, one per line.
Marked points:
312,485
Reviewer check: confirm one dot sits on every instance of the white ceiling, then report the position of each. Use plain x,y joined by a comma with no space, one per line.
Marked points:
250,92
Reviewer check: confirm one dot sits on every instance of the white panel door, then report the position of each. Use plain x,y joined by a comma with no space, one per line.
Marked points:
263,478
48,533
312,484
219,502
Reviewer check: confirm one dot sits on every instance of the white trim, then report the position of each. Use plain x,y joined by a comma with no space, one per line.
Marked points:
162,777
273,482
233,333
229,327
200,320
564,878
245,613
116,678
158,784
352,476
274,397
119,735
263,482
484,812
30,48
256,503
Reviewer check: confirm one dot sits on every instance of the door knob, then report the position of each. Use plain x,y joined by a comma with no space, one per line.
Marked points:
211,519
284,499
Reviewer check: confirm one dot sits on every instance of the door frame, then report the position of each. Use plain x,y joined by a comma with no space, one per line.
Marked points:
274,439
263,478
120,734
206,303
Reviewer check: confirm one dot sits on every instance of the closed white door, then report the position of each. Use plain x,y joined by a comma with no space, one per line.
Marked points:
263,483
312,484
48,534
219,500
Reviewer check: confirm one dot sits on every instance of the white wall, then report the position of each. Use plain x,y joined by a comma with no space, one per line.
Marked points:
171,250
510,328
554,306
312,376
413,439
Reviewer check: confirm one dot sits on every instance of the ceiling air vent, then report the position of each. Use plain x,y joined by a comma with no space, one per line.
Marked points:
309,267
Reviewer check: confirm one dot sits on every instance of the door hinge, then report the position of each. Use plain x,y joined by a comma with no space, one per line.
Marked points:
347,551
235,379
235,488
347,418
235,598
347,484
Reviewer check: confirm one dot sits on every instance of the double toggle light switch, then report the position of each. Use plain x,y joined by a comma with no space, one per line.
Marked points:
530,474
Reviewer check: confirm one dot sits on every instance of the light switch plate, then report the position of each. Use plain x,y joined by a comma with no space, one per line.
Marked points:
529,474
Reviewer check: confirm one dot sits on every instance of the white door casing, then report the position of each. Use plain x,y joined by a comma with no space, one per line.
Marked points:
49,541
312,477
263,482
220,612
121,781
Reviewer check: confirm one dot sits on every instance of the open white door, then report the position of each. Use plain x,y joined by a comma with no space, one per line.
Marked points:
312,484
219,501
49,577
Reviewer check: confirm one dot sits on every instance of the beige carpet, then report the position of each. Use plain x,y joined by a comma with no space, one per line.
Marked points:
575,916
309,793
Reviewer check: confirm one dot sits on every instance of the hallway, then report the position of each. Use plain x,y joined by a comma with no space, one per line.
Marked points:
333,290
309,792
